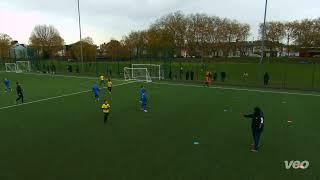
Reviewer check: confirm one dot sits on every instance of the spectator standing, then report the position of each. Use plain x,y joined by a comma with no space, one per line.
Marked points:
266,79
223,76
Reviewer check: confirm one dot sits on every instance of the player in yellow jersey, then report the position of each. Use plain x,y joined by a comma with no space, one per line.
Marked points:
109,85
106,110
101,79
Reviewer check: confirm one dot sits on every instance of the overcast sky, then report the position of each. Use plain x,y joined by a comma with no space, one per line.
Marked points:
106,19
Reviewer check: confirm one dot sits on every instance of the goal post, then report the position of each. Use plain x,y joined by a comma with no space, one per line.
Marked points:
137,74
23,66
11,67
153,69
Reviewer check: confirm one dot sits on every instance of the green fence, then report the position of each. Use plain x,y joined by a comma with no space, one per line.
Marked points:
282,75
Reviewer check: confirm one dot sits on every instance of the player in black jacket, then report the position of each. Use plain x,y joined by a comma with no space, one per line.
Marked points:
257,126
19,93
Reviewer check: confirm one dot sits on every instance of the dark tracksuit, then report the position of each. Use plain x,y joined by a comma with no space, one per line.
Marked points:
266,79
257,126
19,93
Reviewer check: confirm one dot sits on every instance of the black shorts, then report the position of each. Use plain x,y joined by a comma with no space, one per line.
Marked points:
106,115
110,89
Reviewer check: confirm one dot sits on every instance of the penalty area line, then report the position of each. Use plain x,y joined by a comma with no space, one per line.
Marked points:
241,89
58,97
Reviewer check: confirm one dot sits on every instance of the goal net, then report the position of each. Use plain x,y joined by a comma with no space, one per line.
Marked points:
23,66
137,74
11,67
153,69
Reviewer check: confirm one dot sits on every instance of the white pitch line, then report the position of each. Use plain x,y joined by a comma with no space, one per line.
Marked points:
240,89
60,75
189,85
57,97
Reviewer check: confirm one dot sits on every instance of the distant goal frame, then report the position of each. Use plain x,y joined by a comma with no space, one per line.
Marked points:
149,65
130,76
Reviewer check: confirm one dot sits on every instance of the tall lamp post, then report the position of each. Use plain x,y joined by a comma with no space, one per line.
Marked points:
80,32
263,36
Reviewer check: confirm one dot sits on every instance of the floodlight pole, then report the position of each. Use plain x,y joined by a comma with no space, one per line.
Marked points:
263,36
81,50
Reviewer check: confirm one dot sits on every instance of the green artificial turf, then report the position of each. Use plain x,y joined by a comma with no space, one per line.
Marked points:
283,73
65,138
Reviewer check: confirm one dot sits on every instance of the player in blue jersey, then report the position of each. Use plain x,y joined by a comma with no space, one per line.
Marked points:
142,91
6,83
144,101
96,92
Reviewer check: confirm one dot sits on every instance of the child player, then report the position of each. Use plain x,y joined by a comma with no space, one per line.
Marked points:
6,83
207,80
142,91
106,110
101,79
109,86
96,92
19,93
144,101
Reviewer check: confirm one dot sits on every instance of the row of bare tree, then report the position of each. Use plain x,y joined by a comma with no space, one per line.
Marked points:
177,34
203,35
304,33
197,34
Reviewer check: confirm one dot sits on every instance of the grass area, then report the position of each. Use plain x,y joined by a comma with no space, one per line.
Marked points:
65,138
283,74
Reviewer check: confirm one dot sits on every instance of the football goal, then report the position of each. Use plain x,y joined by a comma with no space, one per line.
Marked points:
11,67
23,66
137,74
153,69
